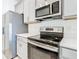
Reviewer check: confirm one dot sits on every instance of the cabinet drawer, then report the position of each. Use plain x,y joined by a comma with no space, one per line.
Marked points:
68,54
21,49
22,39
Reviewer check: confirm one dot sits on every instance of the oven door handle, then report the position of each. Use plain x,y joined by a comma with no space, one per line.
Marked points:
45,46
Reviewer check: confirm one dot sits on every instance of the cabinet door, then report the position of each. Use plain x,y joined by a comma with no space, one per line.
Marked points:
26,11
68,54
19,8
31,10
22,49
39,3
70,7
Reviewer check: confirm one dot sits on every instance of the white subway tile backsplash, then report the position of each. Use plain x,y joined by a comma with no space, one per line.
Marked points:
52,22
70,26
34,28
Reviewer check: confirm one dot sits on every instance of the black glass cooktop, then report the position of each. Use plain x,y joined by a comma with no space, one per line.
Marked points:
50,41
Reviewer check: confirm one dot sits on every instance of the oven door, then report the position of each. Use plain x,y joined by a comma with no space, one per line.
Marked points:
43,11
35,52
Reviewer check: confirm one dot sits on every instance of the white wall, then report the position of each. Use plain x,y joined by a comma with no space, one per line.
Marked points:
34,29
70,27
8,5
52,22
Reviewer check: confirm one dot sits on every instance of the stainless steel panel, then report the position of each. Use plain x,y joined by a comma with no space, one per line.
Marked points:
43,11
38,53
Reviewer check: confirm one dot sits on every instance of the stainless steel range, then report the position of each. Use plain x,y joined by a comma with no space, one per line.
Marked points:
45,44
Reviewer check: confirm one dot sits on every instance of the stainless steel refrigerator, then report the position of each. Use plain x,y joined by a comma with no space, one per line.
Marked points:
12,24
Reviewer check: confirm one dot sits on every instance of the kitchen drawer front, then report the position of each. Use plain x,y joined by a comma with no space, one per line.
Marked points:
23,39
22,49
68,54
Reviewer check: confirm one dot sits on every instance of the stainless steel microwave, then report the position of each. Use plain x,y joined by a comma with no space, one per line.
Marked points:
50,10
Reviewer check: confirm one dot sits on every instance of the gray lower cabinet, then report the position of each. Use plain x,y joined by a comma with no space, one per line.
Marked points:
29,11
22,48
68,53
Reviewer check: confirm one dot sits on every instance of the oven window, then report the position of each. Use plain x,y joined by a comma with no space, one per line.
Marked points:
40,53
55,7
43,11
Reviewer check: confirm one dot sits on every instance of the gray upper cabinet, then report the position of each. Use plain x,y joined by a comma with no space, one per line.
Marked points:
26,11
19,7
69,7
27,7
29,11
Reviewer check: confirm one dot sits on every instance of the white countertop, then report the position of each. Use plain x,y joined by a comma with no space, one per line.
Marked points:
25,35
66,42
69,43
